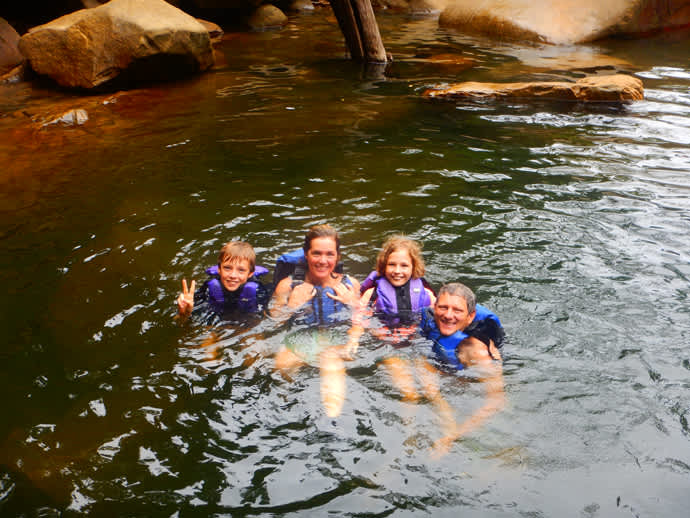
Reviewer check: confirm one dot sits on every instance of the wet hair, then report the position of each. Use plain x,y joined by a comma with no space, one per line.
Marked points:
400,242
235,251
321,231
456,289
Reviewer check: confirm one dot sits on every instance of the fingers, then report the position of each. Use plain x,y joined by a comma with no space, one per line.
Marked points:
343,293
188,292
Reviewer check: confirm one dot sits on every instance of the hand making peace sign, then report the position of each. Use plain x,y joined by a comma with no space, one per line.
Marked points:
185,301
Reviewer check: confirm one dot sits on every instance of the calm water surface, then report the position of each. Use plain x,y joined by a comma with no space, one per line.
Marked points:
570,221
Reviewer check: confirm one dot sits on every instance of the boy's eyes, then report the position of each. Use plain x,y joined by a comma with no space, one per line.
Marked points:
240,269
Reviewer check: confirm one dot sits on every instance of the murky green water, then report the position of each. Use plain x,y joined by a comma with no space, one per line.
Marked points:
570,221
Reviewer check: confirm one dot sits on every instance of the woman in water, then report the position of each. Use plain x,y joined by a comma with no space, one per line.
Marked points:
315,299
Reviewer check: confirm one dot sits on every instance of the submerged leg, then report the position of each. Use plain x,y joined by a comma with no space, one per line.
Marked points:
287,363
402,377
333,383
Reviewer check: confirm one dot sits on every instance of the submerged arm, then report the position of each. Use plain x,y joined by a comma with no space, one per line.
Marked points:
359,317
495,402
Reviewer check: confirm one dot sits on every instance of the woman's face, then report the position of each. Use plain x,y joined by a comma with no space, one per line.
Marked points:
321,257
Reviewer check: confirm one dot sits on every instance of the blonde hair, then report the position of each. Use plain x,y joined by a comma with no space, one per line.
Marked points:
400,242
235,251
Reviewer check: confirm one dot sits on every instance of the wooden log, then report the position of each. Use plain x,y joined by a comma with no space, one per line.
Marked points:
348,25
374,51
358,24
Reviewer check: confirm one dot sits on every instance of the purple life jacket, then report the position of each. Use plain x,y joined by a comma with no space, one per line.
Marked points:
247,301
385,298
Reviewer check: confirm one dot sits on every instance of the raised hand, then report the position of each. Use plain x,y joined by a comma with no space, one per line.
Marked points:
345,294
185,301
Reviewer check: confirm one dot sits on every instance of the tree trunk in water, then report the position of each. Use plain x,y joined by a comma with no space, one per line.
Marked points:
358,24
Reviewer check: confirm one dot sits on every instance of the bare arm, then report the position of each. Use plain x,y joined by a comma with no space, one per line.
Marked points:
278,306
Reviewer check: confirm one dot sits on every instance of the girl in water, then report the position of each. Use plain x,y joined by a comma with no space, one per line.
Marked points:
395,292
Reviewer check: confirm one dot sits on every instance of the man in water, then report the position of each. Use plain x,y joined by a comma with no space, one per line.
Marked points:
464,335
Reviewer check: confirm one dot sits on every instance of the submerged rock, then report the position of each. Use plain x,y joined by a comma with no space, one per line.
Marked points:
130,39
456,61
564,21
611,88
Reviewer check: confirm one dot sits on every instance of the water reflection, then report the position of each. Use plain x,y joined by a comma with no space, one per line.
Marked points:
569,221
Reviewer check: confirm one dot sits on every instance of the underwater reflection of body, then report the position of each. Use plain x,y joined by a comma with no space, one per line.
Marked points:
464,334
317,304
394,296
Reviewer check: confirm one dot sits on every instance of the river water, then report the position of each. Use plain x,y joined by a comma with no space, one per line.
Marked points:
570,221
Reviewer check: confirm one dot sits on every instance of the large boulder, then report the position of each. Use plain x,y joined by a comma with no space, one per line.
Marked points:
10,57
266,17
130,40
564,21
612,88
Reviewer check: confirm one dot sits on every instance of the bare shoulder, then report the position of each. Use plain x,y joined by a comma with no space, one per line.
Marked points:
283,287
473,351
432,297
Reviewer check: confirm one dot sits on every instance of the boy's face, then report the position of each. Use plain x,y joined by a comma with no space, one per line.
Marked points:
234,273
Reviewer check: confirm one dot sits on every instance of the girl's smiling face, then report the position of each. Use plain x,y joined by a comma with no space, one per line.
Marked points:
399,267
322,258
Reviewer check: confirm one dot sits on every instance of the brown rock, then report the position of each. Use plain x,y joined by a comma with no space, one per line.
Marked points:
564,21
10,57
267,16
612,88
140,39
214,30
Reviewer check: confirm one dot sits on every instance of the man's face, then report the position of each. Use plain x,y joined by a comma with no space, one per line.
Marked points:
451,315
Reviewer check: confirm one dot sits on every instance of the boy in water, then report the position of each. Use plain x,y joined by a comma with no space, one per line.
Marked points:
233,285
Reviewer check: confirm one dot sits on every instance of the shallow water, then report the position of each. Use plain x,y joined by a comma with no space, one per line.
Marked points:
569,221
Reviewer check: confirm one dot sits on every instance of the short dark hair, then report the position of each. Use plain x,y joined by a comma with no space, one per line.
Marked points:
324,230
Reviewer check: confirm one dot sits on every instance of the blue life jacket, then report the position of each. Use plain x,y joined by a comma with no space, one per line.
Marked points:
385,299
246,301
322,309
485,325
